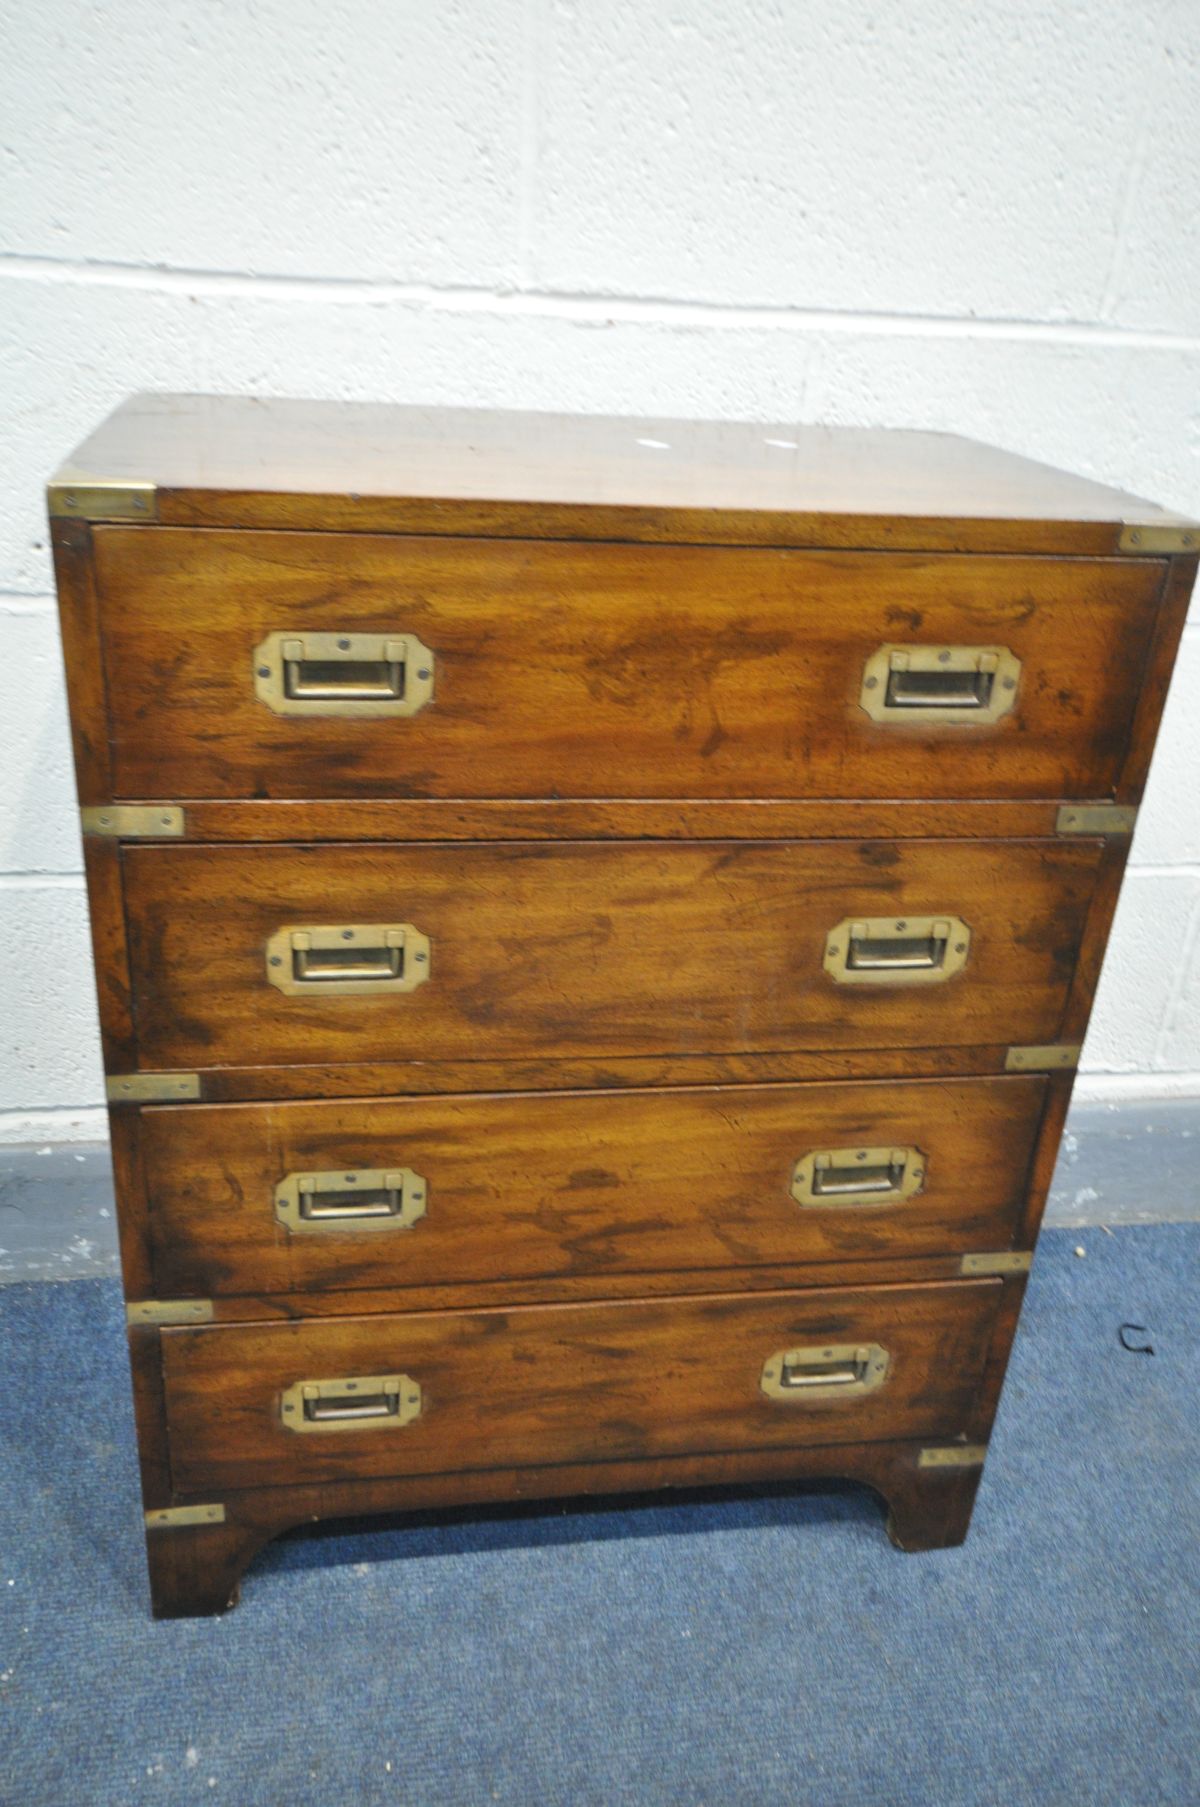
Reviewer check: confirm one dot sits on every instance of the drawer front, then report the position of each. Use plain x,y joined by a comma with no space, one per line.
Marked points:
494,1389
599,949
296,1197
569,670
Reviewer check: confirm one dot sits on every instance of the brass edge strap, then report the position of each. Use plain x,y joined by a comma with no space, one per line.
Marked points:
1177,537
169,1311
1054,1058
953,1455
134,821
151,1088
1010,1261
172,1518
1096,819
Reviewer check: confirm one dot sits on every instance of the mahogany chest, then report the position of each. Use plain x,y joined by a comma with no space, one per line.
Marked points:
594,922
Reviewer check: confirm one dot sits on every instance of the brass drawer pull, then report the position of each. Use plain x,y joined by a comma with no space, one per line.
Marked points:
832,1371
905,950
919,684
348,959
343,674
867,1176
364,1402
371,1198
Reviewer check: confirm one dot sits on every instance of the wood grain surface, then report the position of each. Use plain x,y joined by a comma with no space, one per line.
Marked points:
670,1283
527,1187
400,1078
610,671
262,461
631,819
570,1383
643,793
561,949
197,1569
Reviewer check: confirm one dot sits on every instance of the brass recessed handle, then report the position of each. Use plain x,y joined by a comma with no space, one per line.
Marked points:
825,1371
832,1177
366,1199
970,685
343,674
348,959
360,1402
896,950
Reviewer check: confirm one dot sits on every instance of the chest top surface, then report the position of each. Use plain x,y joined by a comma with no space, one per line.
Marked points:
197,460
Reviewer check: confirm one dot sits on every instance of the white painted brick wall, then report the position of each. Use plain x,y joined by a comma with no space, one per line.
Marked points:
978,219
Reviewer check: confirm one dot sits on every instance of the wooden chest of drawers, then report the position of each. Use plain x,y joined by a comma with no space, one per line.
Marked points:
594,924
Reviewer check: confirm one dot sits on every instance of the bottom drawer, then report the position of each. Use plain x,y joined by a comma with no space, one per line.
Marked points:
439,1392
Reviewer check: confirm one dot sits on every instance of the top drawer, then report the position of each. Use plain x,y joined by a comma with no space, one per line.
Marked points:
558,669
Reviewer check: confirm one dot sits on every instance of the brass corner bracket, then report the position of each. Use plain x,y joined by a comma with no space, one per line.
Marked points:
78,496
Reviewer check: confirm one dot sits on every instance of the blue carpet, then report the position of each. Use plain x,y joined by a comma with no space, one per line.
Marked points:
768,1648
